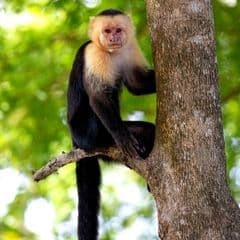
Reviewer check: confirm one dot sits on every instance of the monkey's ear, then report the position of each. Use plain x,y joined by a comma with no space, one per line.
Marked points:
128,17
91,21
90,27
91,18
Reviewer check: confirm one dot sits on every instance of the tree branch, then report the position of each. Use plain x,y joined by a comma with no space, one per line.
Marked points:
233,93
76,155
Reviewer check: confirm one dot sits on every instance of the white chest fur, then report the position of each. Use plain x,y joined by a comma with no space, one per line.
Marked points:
107,66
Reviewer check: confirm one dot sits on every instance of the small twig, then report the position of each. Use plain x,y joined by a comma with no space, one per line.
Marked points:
76,155
232,94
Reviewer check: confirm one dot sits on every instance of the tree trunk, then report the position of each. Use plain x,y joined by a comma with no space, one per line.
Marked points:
187,175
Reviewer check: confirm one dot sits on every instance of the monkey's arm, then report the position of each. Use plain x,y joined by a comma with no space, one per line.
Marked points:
105,105
140,81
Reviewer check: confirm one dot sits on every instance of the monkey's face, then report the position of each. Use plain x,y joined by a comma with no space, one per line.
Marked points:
113,37
111,33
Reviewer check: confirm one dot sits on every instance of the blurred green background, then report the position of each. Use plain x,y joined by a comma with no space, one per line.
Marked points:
38,41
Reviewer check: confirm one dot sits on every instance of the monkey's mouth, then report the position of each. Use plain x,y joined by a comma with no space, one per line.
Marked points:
115,45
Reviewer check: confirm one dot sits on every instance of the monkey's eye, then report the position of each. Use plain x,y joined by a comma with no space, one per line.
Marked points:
118,30
107,30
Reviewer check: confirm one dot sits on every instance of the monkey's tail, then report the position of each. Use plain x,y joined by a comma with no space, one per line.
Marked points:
88,183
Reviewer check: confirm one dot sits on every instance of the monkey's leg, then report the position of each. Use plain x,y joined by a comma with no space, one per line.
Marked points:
144,133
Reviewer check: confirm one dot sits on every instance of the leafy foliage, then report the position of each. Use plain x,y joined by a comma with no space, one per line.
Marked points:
38,41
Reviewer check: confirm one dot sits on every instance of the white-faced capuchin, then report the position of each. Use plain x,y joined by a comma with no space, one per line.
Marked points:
110,59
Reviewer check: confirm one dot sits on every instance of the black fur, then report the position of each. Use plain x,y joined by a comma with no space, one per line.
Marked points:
94,121
88,182
110,12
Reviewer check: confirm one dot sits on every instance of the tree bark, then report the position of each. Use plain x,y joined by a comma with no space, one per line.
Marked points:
187,174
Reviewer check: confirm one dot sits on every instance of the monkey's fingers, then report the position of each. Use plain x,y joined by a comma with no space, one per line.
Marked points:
128,147
129,150
139,146
134,148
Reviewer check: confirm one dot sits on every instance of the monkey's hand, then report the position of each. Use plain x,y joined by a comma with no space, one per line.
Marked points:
131,146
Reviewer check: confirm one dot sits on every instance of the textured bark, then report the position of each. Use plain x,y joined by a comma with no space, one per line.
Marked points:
187,167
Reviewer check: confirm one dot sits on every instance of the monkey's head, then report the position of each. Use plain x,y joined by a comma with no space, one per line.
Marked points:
111,30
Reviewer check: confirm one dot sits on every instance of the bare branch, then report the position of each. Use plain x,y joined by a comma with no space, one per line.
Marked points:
76,155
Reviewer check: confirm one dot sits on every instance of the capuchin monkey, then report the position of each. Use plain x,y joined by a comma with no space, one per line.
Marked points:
110,59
